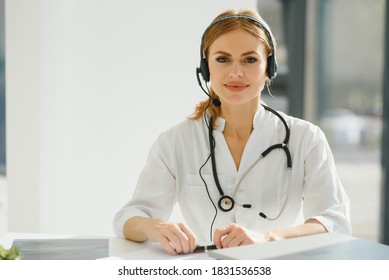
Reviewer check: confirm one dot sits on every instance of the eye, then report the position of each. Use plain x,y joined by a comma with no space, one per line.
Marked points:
250,60
222,59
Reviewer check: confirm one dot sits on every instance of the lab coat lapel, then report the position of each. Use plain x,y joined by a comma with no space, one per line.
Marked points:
225,162
261,138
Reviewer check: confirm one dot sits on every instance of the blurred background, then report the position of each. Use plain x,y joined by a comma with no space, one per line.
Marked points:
332,61
86,86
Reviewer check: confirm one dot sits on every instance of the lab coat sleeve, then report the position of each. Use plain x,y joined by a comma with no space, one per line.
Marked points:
155,192
324,196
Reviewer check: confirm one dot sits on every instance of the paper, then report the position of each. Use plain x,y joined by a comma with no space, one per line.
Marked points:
156,252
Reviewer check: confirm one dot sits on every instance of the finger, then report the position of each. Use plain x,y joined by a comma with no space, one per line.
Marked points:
239,236
182,237
174,239
232,241
219,234
166,244
191,239
234,237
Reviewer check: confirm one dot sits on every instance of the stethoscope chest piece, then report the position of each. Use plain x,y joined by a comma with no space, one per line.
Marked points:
226,203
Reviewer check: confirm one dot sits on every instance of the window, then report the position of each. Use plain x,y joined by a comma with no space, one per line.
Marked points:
350,72
342,70
2,91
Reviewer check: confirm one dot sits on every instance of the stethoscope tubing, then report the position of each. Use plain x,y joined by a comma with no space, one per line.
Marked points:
283,146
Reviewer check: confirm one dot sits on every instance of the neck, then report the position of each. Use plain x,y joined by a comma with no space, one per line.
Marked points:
239,120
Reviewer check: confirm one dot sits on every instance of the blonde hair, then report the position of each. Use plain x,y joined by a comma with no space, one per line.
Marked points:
215,31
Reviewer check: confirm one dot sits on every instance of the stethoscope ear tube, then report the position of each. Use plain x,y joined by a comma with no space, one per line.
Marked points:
280,146
213,160
288,157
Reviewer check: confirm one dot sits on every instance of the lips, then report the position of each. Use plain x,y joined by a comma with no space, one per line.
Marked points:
236,86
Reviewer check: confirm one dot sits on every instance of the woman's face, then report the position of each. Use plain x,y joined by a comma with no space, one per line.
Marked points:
237,63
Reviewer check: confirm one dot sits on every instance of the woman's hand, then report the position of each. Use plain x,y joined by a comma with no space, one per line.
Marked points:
175,238
234,235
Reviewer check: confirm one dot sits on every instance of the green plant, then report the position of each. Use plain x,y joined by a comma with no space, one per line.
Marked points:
11,254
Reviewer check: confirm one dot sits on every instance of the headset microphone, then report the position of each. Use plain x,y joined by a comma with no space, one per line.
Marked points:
215,101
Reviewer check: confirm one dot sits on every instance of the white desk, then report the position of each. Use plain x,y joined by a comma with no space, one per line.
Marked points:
321,246
118,248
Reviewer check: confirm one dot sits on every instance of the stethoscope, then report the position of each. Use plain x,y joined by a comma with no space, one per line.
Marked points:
226,203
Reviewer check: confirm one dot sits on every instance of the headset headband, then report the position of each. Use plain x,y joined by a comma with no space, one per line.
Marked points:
239,16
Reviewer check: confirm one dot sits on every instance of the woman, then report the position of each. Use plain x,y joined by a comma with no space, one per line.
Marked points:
231,187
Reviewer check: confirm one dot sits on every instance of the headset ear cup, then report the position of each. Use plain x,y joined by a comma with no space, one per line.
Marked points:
204,70
271,66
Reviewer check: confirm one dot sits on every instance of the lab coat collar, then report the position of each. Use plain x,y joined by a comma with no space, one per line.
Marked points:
259,114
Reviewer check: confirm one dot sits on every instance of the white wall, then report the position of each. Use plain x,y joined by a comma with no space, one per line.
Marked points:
90,85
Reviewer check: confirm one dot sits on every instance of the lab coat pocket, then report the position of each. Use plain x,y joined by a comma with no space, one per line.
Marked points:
198,194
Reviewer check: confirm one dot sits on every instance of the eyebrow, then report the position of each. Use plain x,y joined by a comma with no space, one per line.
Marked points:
243,54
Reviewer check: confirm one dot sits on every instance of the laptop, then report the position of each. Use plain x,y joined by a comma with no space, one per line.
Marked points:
325,246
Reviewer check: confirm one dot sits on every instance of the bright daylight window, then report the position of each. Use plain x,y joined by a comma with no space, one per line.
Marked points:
346,51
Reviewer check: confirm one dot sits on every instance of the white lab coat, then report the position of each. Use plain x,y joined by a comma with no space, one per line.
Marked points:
171,175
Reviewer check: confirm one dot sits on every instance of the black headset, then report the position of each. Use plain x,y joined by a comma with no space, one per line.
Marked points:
271,59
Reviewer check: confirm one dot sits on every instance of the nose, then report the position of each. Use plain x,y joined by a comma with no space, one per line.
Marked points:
236,71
